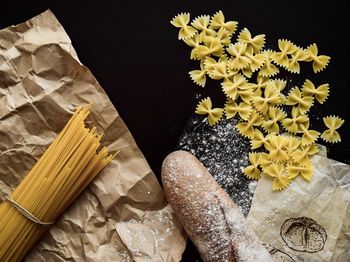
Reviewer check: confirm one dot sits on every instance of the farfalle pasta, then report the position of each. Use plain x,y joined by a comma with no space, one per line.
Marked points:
256,42
205,108
268,69
181,21
242,109
266,106
320,93
218,22
253,171
302,102
331,134
276,171
239,60
319,62
198,76
286,48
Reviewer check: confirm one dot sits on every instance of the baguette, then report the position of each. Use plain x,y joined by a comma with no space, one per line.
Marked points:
211,219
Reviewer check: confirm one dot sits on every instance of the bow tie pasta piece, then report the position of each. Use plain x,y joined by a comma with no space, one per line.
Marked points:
256,60
309,136
277,172
231,88
256,42
275,115
301,155
246,129
243,109
321,93
259,139
219,71
224,36
271,97
218,21
303,103
201,23
331,134
294,66
205,108
319,62
295,170
292,124
292,144
253,171
212,47
198,76
238,60
181,21
277,147
264,161
268,69
286,49
193,42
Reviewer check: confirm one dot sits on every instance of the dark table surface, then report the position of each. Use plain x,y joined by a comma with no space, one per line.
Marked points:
133,51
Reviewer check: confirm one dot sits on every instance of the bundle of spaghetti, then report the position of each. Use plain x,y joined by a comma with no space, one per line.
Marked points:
69,164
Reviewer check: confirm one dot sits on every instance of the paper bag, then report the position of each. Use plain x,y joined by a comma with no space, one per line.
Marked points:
308,221
41,81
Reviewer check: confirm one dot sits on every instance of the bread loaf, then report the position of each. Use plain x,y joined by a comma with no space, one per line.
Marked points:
209,216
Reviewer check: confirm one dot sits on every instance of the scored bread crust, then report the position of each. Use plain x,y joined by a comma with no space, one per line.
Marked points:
210,218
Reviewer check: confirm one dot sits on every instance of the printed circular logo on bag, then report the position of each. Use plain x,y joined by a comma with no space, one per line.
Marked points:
303,234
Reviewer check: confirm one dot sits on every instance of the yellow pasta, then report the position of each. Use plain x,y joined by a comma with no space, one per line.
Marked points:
264,161
224,36
286,48
205,108
277,172
212,47
301,155
194,42
277,147
238,60
320,93
231,88
243,109
181,21
331,134
247,128
201,23
258,103
303,103
256,60
319,62
69,164
275,115
297,56
292,124
256,42
220,71
271,97
293,144
309,136
268,69
295,170
198,76
218,21
258,139
252,171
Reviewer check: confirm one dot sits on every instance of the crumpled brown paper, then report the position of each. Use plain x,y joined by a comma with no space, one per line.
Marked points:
123,215
325,200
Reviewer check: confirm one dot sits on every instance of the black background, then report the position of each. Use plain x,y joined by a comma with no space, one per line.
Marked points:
133,51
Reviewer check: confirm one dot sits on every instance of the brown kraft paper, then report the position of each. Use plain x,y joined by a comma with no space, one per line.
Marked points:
123,215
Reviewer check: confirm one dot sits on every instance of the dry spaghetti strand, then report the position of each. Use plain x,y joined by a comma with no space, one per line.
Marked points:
69,164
